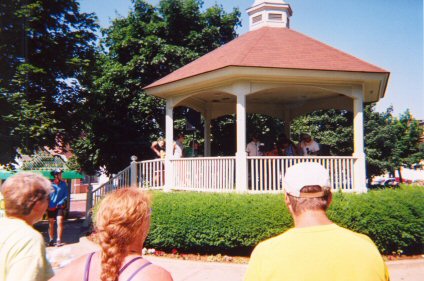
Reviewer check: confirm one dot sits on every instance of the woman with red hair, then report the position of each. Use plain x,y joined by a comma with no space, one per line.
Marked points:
122,223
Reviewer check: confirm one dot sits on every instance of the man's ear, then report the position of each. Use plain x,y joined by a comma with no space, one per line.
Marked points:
330,199
287,201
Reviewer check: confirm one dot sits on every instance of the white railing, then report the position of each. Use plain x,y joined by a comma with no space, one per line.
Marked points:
218,174
120,180
265,174
214,174
145,174
151,173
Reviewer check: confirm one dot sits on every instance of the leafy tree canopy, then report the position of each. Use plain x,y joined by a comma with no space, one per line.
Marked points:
389,142
330,128
46,48
407,149
140,48
380,140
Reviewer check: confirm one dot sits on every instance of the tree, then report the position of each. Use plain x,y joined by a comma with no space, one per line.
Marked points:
138,49
407,150
46,49
224,129
330,128
380,140
389,142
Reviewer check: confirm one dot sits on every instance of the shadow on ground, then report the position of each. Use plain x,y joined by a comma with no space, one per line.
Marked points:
73,228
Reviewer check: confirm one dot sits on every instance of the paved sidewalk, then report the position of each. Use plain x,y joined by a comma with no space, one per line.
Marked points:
408,270
182,270
78,197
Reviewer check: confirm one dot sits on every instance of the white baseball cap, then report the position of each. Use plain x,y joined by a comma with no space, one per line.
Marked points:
303,174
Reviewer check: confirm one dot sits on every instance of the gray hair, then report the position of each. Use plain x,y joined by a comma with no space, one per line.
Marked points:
22,191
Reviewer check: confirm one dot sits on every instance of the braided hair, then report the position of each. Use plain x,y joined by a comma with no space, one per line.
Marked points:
122,218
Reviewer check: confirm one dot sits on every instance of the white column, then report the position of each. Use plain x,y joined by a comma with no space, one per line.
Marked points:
169,134
240,90
207,134
359,177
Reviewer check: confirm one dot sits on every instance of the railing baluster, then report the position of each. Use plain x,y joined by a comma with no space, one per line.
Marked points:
252,173
250,163
270,175
259,176
257,186
337,174
278,172
234,174
351,174
342,173
274,185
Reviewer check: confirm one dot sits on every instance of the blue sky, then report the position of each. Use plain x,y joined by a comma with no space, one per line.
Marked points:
386,33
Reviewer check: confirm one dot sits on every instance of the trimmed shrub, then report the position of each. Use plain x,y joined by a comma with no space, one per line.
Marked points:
392,218
215,223
235,223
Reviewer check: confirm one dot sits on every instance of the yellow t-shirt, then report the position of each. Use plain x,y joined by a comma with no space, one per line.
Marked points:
325,252
22,252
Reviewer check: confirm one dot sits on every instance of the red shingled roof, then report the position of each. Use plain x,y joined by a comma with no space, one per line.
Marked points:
274,48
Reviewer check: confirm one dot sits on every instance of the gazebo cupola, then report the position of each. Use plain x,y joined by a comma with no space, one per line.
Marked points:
270,13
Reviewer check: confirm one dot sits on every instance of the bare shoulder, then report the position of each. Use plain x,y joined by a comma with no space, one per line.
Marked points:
154,273
73,271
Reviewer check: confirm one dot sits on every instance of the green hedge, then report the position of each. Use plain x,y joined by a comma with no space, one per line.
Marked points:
235,223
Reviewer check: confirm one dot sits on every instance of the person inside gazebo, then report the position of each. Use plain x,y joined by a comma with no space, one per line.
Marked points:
308,146
158,148
193,149
252,147
288,148
273,150
179,146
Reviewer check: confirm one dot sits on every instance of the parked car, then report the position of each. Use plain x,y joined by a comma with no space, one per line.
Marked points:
391,182
384,183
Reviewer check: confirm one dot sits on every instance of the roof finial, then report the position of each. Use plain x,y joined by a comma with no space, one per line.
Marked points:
272,13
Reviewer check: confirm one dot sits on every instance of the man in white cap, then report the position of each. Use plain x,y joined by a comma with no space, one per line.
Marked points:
316,248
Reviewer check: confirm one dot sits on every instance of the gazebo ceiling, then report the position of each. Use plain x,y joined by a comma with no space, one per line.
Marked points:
271,101
282,95
374,84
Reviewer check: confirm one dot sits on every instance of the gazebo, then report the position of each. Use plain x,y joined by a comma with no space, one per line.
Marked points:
271,70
